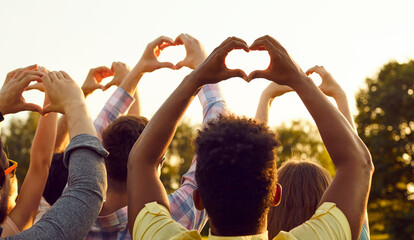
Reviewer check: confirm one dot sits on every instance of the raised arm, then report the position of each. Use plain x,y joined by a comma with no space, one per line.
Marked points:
144,185
350,187
74,212
24,213
181,201
331,88
272,91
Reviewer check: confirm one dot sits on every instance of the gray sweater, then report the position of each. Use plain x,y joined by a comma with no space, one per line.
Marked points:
73,214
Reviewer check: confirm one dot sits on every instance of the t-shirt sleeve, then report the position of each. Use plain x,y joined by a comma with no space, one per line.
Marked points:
155,222
328,222
9,228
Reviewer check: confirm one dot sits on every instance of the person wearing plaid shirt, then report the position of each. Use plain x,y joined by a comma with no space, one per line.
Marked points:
115,225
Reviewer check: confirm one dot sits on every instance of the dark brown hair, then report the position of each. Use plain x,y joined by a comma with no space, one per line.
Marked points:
303,184
118,139
236,173
5,184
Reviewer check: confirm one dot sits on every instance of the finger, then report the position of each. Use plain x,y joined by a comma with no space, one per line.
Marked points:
160,40
262,44
166,65
19,71
60,75
315,69
66,75
28,79
234,44
31,107
165,45
237,73
108,85
53,76
37,86
179,65
48,109
258,74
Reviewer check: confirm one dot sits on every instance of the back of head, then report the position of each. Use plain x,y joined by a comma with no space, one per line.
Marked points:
57,179
303,184
118,139
236,173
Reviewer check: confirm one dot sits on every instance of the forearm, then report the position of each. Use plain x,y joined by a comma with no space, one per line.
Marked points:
343,106
135,108
79,121
262,112
129,84
75,211
44,140
62,135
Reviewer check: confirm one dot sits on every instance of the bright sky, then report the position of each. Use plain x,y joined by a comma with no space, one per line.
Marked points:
351,39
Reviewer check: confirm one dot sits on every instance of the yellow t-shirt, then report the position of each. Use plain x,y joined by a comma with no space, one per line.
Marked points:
155,222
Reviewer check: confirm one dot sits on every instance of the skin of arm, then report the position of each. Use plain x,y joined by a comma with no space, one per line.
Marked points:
143,182
91,83
24,213
135,109
351,185
272,91
331,88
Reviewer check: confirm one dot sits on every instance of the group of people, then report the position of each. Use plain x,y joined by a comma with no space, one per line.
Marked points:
101,179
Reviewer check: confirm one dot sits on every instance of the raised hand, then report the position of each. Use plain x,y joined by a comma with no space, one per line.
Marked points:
120,70
149,60
94,78
195,51
64,93
214,69
282,69
39,86
329,85
274,90
11,99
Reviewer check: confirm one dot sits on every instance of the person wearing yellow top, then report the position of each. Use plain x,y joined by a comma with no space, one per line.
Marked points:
236,169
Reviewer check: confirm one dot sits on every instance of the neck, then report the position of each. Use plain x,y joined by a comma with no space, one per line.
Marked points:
114,201
226,233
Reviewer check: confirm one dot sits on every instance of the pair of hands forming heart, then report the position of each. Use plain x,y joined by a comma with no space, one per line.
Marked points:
281,70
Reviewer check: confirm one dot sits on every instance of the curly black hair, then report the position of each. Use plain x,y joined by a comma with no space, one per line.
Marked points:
119,138
236,173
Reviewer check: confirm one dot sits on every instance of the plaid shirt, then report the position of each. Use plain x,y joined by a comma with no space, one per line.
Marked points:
117,105
115,225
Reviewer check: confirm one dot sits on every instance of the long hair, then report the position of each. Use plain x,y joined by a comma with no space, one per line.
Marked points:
5,184
303,183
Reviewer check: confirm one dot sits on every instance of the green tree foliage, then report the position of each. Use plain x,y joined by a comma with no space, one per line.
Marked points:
301,139
18,141
386,123
179,156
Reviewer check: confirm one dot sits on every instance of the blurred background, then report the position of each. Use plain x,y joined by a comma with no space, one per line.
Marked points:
366,45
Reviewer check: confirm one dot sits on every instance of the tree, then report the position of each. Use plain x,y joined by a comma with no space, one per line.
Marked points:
385,123
301,139
179,156
18,141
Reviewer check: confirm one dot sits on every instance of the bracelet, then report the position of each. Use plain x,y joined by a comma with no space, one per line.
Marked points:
1,117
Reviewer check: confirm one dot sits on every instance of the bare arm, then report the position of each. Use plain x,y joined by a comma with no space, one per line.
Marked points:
144,185
135,109
350,187
331,87
268,95
24,213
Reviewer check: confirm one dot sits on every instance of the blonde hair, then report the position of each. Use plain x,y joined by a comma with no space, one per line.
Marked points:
303,184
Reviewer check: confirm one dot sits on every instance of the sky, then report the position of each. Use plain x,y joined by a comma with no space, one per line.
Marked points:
351,39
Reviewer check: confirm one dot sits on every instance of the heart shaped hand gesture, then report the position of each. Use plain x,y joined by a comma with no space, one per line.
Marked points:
282,69
149,60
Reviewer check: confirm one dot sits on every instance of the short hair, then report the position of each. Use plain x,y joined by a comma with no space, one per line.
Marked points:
118,139
57,179
303,183
236,173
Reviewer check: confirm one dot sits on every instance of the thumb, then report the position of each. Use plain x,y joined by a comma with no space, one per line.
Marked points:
31,107
166,65
179,65
257,74
108,85
48,109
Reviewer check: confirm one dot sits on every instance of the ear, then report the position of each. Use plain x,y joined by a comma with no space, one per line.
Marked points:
278,195
197,200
